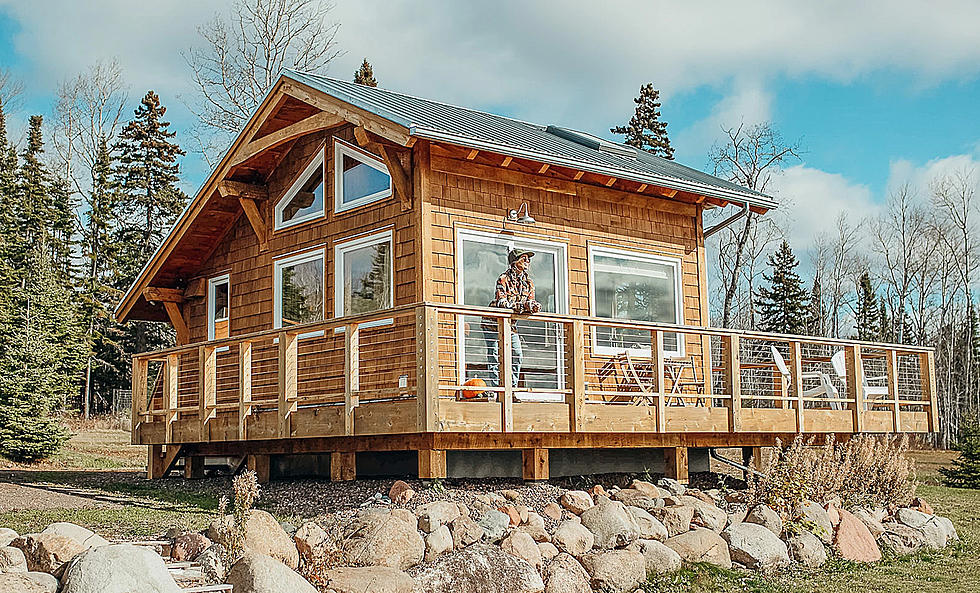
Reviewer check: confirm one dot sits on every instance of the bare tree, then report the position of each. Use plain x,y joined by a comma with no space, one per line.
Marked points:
11,90
243,56
749,156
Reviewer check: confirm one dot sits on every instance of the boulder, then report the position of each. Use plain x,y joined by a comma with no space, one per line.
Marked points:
612,524
706,514
400,492
46,581
118,568
765,516
566,575
309,538
465,531
677,519
382,540
577,501
47,552
437,513
552,510
870,519
649,526
912,517
23,582
635,498
573,538
188,546
7,535
12,560
948,527
480,568
901,539
935,533
524,547
513,515
755,546
807,549
438,542
548,551
212,563
85,537
615,571
370,579
649,489
702,496
853,540
672,486
701,545
534,526
921,505
260,573
657,556
406,516
263,535
597,490
819,517
494,524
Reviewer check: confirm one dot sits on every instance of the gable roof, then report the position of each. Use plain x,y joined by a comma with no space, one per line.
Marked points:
511,137
199,228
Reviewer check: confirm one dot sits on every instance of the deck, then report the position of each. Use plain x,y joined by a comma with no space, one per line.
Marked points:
394,380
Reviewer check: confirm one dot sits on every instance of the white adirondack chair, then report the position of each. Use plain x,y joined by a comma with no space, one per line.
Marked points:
871,392
824,389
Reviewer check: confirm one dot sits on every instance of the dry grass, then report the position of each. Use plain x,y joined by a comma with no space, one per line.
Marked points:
94,444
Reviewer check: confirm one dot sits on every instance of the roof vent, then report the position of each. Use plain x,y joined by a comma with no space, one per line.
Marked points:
593,142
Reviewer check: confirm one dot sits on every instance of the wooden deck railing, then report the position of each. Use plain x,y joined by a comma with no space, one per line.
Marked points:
410,369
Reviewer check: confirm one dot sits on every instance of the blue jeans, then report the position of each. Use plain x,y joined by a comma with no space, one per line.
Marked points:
493,358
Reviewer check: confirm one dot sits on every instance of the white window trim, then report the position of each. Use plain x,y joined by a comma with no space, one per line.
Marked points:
341,148
675,262
290,260
318,161
340,250
212,283
561,288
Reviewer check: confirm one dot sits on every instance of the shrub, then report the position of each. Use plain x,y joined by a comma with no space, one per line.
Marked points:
965,472
231,534
864,471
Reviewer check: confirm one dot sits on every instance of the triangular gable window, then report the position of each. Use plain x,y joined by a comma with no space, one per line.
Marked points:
359,178
304,200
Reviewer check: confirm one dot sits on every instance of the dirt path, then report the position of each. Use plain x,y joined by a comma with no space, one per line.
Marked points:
15,497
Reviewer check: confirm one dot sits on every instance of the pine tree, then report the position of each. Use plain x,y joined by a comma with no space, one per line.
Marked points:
365,74
884,331
783,306
867,323
965,470
816,313
645,130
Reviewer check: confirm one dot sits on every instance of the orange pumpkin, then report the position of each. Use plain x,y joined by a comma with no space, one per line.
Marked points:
474,393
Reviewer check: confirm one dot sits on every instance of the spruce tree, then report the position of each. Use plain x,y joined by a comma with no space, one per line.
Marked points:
884,331
645,129
867,323
365,74
965,470
816,313
783,306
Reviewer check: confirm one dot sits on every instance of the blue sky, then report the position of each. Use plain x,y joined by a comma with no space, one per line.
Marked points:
877,92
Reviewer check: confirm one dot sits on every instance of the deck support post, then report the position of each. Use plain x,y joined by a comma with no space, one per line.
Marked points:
892,372
261,465
206,383
505,357
427,367
352,375
796,359
927,378
657,355
287,382
342,466
675,464
751,457
170,381
537,465
432,464
733,381
193,467
140,392
576,367
244,388
154,462
855,385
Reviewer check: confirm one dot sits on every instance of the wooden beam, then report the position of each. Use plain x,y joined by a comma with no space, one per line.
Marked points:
642,188
892,371
657,358
612,180
163,295
193,467
507,161
472,154
343,467
544,169
261,465
855,385
536,465
359,117
207,389
171,378
505,358
140,370
237,189
177,321
154,462
244,387
432,464
352,375
427,367
576,366
400,178
287,382
733,380
196,288
313,123
796,360
675,464
257,222
578,175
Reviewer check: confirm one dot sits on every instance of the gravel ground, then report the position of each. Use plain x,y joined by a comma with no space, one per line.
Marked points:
17,497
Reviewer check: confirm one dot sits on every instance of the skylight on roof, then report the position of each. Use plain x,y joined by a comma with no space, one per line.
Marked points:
593,142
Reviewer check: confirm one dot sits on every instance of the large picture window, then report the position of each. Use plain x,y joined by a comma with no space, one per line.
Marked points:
637,287
359,178
363,275
304,199
299,289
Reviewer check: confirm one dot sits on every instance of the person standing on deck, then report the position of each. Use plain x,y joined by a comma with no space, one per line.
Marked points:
514,291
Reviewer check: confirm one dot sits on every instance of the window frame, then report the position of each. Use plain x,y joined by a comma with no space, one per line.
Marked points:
642,256
340,149
319,160
302,257
212,283
343,247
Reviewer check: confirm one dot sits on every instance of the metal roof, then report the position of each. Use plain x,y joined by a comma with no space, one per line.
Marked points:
547,144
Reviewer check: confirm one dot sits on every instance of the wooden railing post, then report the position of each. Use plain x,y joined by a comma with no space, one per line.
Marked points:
927,377
427,367
796,354
206,399
505,357
892,367
170,380
352,375
287,381
855,385
576,369
140,369
733,380
657,357
244,387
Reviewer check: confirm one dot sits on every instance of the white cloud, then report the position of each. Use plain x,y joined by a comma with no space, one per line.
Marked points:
921,176
748,103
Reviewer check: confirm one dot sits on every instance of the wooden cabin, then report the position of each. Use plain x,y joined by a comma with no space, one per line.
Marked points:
328,287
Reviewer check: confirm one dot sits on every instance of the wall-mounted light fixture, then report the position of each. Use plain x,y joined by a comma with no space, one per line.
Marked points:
515,215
